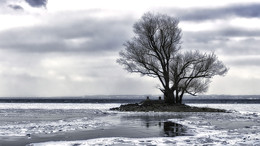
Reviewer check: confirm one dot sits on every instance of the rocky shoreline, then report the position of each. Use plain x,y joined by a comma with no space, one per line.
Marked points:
160,106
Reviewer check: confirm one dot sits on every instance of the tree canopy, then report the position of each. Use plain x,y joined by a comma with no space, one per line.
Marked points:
155,51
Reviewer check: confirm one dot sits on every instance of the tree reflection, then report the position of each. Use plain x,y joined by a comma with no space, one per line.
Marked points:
172,129
157,126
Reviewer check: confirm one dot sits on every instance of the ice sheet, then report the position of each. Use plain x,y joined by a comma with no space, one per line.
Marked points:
20,119
240,127
51,106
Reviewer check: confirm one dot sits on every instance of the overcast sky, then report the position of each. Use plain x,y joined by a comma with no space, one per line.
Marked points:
70,47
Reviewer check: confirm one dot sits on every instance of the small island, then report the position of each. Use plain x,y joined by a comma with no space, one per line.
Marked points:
160,106
155,51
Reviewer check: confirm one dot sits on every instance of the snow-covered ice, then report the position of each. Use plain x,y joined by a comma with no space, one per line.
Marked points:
20,119
208,129
239,127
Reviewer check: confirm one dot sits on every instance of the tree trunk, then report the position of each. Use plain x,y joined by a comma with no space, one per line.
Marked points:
182,93
173,97
168,96
177,96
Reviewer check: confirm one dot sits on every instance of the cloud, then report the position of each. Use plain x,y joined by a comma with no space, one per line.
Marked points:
74,52
71,34
235,85
71,53
223,34
58,74
231,40
245,61
3,2
203,14
37,3
18,4
13,4
15,7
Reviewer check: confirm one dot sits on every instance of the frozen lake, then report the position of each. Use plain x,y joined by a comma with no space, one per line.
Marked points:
93,123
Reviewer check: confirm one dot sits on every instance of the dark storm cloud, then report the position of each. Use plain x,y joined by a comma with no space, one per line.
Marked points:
69,35
15,7
37,3
202,14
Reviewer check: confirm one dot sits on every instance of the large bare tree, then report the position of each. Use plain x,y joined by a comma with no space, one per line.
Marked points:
152,49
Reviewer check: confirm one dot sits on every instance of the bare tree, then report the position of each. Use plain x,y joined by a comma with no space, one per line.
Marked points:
191,73
151,51
154,51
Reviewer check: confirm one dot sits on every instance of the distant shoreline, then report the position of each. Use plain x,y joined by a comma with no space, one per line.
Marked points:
119,100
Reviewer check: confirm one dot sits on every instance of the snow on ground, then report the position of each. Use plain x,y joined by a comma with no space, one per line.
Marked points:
51,106
235,128
240,127
21,119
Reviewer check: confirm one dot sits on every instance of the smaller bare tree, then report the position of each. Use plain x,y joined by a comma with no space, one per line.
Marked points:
191,73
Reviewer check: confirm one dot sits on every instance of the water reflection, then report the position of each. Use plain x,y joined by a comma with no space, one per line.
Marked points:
157,126
170,129
173,129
